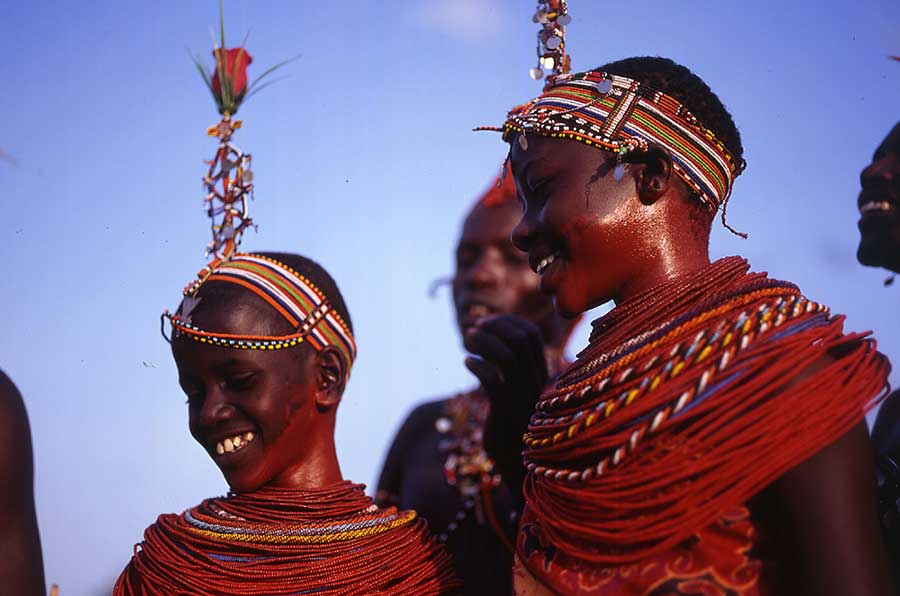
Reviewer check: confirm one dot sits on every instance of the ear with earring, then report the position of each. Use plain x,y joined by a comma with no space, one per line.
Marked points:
624,150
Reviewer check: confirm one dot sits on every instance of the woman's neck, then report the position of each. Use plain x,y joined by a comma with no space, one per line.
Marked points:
320,468
669,265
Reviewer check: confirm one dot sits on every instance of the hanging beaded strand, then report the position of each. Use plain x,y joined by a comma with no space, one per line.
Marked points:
229,185
228,181
553,16
468,467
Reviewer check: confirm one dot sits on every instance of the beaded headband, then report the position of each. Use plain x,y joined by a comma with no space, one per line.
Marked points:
620,115
293,295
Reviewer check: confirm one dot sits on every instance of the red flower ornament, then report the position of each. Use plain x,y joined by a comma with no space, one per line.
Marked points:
227,79
233,72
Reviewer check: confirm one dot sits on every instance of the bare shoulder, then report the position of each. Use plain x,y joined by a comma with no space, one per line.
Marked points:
825,521
13,421
15,455
425,414
12,408
415,427
21,567
822,511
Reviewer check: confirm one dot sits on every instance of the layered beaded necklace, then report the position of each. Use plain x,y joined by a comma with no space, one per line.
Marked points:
689,401
285,541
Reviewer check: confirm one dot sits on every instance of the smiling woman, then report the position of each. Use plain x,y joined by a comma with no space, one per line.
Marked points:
263,347
264,416
716,416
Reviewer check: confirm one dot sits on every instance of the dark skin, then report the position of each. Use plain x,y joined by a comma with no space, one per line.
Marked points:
879,246
22,566
493,286
879,203
576,234
612,239
287,399
493,276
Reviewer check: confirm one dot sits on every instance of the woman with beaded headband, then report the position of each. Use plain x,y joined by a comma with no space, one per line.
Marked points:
263,344
438,463
710,438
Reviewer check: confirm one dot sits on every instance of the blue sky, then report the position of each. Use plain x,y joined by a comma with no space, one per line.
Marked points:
364,160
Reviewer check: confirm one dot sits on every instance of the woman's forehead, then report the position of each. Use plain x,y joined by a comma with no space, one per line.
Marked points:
545,154
490,222
891,143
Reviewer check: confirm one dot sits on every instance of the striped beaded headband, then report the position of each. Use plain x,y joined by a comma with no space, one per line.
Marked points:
621,115
293,295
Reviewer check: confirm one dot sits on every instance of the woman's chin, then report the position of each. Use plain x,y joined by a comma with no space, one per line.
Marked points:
243,483
565,306
241,488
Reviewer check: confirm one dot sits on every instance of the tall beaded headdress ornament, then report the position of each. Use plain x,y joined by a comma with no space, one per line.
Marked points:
553,16
229,186
621,116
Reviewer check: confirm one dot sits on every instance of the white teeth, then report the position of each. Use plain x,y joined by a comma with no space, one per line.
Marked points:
479,310
234,443
542,266
876,206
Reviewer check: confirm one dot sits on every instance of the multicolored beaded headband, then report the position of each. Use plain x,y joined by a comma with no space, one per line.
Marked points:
293,295
621,115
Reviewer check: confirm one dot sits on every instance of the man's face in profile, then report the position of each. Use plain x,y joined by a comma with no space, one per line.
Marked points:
879,206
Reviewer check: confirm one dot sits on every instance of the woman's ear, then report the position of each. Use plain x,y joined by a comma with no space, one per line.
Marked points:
655,177
331,377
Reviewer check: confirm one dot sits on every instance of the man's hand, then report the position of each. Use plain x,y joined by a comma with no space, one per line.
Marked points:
509,361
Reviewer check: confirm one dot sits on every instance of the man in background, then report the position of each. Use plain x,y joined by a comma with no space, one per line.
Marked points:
437,463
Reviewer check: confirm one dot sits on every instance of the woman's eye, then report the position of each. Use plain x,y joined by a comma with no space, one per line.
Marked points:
516,257
540,188
465,257
240,382
193,398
